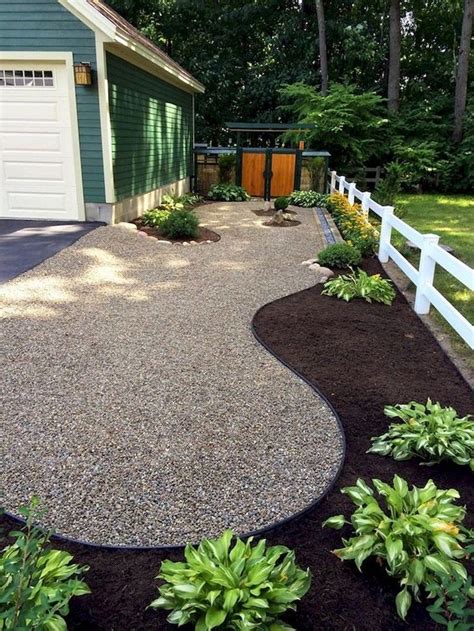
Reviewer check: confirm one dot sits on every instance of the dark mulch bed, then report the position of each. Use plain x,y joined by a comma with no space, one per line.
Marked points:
204,234
361,357
285,224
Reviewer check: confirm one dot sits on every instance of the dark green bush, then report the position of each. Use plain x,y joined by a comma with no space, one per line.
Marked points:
228,193
179,224
226,165
281,203
339,255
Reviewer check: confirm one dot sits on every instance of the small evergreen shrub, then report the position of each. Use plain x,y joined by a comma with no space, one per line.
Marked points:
226,165
308,199
339,255
36,581
180,224
233,587
281,203
228,193
360,285
430,432
416,533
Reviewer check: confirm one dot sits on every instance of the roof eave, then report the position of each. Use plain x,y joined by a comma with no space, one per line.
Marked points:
99,23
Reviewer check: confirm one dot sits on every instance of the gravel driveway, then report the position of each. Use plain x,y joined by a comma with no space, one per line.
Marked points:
136,402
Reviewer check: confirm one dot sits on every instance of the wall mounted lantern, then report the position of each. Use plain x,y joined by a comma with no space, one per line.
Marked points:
83,73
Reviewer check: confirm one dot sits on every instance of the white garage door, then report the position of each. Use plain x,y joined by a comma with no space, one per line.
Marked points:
37,166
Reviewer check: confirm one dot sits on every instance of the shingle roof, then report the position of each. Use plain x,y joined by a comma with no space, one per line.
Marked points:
135,34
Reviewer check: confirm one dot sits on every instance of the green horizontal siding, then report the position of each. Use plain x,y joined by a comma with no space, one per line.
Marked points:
152,125
45,25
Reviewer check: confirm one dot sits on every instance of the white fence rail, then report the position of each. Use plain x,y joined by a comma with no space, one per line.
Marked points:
431,254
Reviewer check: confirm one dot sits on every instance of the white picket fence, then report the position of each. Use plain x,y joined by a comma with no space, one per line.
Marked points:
431,254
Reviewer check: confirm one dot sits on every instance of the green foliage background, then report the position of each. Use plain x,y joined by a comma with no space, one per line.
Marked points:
246,51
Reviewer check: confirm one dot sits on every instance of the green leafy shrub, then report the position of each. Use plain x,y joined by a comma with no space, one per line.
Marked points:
417,534
172,202
360,285
454,604
190,199
228,193
308,199
281,203
237,587
155,218
36,581
339,255
389,187
226,165
180,224
431,432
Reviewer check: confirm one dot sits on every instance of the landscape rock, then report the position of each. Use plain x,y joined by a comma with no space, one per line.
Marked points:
309,262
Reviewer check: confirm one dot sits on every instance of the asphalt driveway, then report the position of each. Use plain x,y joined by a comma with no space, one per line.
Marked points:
25,244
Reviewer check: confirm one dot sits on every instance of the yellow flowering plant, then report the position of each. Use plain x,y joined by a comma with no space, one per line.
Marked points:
355,227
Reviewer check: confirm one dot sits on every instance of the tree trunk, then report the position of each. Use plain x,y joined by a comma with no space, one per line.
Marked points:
462,72
393,93
323,55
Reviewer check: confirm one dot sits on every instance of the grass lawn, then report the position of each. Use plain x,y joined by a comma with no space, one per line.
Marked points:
452,218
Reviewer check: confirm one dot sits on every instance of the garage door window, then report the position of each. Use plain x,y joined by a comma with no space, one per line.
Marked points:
26,78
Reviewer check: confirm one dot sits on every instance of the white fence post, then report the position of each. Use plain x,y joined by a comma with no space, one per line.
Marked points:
342,181
351,193
365,203
385,233
333,181
426,273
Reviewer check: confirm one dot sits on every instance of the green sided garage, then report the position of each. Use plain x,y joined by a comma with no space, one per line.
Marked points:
96,122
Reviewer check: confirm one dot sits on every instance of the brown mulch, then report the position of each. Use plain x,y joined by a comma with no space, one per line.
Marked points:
203,234
284,224
361,356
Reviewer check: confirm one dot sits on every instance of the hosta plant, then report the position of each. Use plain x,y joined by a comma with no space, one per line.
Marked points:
36,581
309,199
430,432
415,533
359,284
235,586
228,193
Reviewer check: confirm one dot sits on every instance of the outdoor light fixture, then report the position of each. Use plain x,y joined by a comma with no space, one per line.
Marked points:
83,73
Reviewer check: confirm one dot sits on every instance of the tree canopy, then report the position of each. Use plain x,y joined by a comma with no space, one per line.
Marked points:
246,51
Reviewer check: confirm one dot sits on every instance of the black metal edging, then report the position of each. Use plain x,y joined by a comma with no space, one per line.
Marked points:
253,533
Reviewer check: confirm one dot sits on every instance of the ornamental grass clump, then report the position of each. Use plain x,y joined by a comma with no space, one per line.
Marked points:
36,581
430,432
416,534
234,587
354,226
359,284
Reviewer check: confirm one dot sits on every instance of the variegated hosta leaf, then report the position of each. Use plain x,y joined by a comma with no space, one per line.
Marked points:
416,532
430,432
238,586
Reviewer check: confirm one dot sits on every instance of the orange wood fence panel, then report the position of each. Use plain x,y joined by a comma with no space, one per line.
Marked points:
253,176
283,168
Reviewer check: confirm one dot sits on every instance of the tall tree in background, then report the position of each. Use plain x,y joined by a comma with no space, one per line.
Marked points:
462,72
323,53
393,94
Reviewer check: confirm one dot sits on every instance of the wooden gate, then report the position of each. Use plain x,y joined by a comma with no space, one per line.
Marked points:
283,174
268,173
253,173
